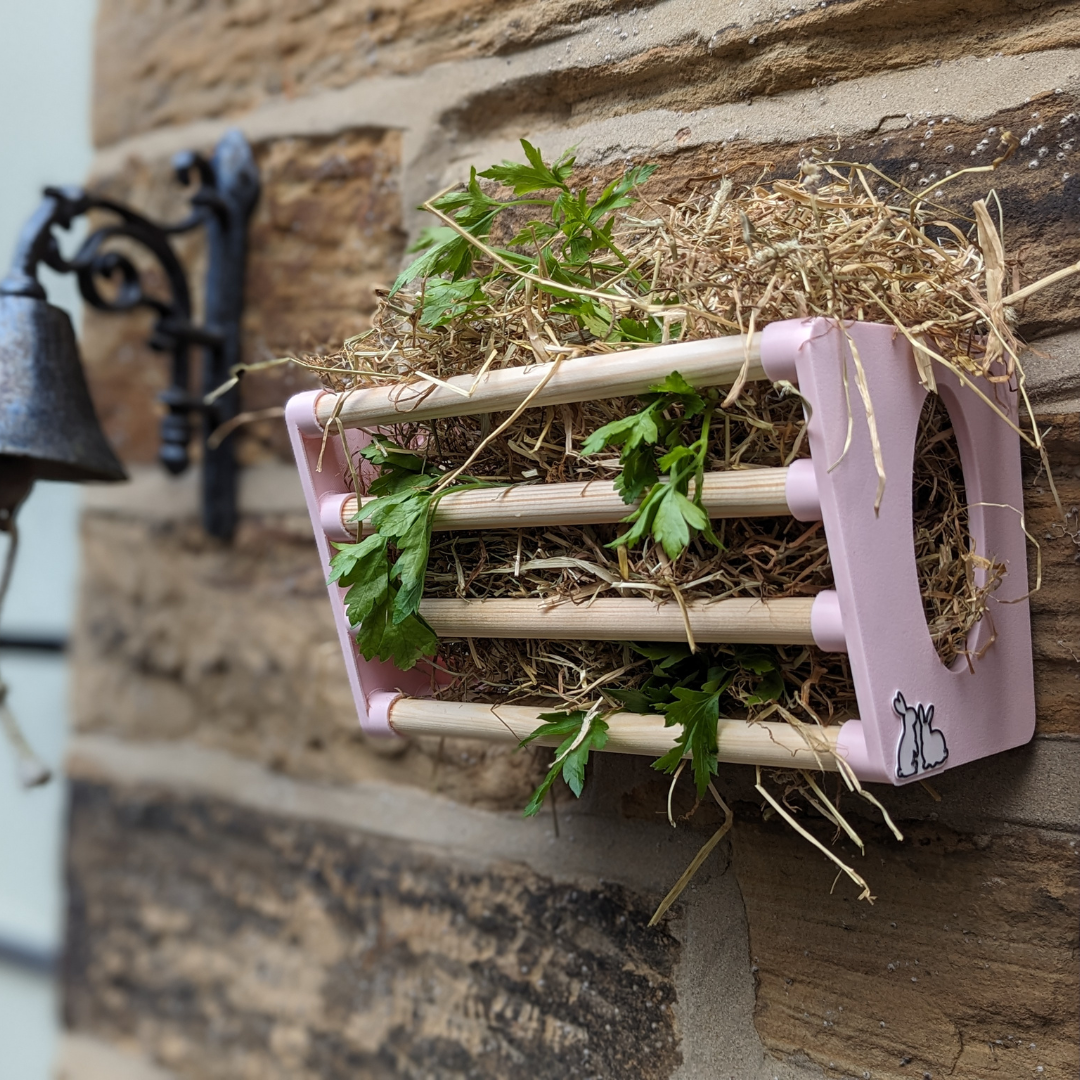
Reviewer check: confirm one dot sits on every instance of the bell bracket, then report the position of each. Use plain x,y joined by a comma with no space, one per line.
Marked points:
221,204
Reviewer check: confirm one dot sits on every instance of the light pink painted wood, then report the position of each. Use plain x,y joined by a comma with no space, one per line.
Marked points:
977,710
876,610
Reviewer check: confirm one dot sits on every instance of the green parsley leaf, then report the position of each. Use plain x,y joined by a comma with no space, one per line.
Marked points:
447,252
698,713
385,454
445,301
394,516
616,195
572,754
399,469
770,688
411,565
344,562
666,655
535,176
647,331
674,456
675,516
752,660
631,431
404,643
364,571
676,389
636,701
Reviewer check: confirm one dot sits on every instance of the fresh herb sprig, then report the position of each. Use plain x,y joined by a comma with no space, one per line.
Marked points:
583,734
383,598
689,689
566,251
667,511
569,250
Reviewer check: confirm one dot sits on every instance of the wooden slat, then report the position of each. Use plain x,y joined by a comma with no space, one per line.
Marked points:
773,622
712,362
741,493
768,744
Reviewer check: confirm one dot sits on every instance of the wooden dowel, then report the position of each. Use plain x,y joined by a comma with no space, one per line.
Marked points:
769,744
743,493
739,619
712,362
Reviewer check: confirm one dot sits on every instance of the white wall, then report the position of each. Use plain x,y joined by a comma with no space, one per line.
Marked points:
45,49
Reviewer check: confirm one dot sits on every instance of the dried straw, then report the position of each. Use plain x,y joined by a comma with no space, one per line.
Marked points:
840,241
835,242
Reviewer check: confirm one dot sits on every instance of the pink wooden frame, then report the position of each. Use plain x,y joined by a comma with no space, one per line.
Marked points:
917,717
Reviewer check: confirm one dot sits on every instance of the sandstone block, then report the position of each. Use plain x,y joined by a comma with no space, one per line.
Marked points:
228,944
158,64
235,648
965,966
686,60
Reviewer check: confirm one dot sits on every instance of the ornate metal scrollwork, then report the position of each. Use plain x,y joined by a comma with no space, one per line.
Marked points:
228,188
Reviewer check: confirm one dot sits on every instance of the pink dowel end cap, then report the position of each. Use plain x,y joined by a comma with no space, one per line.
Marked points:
780,344
332,518
826,622
377,720
851,746
801,491
300,412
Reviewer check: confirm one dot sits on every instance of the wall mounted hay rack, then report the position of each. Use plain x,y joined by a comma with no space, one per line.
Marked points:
917,717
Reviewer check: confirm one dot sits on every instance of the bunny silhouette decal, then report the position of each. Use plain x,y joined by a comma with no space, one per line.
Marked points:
922,747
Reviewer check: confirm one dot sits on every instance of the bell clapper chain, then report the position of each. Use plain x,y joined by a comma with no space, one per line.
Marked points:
32,771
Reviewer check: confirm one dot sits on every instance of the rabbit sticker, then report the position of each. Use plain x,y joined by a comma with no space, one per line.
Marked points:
922,747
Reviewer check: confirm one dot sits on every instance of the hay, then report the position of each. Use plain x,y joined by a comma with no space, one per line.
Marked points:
839,242
727,262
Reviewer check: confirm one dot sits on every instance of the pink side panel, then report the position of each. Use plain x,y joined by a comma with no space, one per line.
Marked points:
917,716
322,490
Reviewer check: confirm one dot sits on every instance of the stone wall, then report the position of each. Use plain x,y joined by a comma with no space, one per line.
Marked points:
257,890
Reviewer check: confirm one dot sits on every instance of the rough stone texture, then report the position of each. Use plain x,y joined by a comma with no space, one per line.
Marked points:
200,923
1055,615
966,966
328,228
160,63
325,230
234,945
705,62
235,648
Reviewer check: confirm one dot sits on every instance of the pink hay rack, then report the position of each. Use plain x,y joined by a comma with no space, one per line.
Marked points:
917,716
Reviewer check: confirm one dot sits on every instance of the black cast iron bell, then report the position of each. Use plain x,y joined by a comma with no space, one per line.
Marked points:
48,427
48,431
